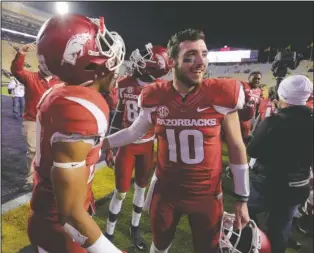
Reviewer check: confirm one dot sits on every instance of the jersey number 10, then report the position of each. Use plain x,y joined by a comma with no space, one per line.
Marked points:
184,146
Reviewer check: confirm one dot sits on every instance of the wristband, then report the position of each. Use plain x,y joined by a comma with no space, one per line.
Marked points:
241,181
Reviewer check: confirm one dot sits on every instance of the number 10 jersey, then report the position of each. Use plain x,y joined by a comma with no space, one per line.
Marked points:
188,130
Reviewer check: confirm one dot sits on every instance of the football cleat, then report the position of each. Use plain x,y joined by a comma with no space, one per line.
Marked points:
137,239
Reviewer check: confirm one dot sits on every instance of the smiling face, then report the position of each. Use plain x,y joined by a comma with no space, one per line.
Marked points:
255,80
191,63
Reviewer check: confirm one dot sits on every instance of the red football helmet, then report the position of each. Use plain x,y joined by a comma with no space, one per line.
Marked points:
78,49
247,240
153,61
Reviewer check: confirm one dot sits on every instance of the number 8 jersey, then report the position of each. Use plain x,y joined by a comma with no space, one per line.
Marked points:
129,90
189,158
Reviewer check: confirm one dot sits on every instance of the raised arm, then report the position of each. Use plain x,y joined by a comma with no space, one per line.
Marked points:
17,65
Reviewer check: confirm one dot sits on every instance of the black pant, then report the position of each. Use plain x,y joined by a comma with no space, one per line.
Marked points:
280,215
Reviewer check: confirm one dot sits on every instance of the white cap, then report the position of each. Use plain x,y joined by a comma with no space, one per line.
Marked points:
295,90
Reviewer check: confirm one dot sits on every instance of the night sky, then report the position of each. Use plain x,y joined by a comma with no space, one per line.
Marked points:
250,25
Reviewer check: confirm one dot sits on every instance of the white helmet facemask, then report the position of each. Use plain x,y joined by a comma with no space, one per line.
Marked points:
109,44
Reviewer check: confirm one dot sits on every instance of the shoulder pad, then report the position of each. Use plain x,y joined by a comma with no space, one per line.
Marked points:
223,92
82,112
155,93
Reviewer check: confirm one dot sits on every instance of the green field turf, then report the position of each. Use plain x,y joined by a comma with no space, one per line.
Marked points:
182,242
4,90
14,237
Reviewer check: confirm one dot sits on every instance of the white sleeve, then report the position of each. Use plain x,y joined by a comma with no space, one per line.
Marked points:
129,135
240,103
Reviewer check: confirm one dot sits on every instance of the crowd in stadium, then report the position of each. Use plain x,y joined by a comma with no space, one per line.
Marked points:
77,105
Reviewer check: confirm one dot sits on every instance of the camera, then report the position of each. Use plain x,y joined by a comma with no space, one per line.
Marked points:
282,62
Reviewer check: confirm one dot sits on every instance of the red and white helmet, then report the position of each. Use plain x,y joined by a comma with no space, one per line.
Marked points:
152,61
78,49
247,240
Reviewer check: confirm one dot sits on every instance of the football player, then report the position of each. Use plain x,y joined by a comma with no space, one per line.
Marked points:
267,105
148,65
252,99
71,124
188,114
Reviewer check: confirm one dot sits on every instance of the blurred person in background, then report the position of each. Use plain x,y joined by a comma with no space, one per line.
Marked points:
267,104
252,99
36,83
112,99
283,145
148,65
17,90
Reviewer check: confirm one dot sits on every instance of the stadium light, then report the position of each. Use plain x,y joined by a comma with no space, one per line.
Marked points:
62,7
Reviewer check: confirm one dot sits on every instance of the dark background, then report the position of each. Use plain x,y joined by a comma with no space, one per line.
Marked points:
249,25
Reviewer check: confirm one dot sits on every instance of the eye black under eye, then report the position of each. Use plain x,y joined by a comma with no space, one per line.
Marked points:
188,60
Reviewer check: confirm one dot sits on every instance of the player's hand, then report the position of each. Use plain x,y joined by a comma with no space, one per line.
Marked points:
109,158
241,214
105,145
28,48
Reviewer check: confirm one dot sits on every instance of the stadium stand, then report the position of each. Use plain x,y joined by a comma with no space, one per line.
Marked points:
241,71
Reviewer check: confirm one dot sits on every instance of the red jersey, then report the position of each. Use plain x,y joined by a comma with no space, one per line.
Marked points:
71,113
266,108
252,98
188,132
129,91
35,85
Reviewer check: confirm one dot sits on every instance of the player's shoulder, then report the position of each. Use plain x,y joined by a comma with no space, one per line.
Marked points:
79,95
245,85
76,109
222,91
154,93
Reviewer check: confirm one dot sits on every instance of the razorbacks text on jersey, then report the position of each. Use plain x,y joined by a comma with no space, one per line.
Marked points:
188,132
129,91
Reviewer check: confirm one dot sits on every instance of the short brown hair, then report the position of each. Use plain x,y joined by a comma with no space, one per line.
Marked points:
177,38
